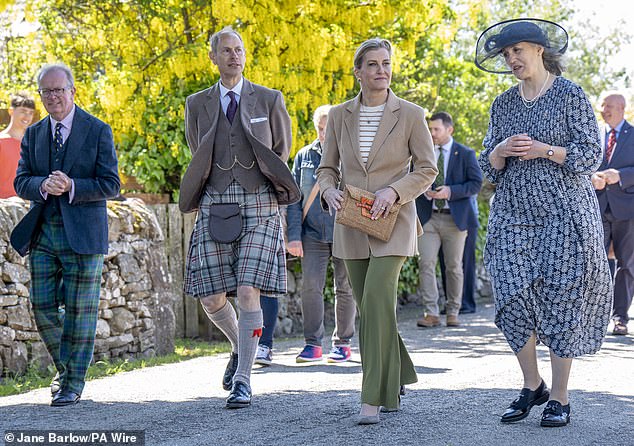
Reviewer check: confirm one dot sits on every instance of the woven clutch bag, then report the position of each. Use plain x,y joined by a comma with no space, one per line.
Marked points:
355,213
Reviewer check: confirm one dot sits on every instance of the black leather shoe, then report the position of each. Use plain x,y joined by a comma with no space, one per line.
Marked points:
240,396
232,366
55,385
65,397
521,406
555,415
467,311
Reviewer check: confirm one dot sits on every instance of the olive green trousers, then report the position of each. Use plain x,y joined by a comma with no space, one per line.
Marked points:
385,362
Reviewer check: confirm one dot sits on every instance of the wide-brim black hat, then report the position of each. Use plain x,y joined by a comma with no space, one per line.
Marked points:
494,39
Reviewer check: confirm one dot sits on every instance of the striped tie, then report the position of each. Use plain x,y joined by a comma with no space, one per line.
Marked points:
611,143
58,142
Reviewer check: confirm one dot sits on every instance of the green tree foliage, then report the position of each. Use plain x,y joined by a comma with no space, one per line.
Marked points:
137,60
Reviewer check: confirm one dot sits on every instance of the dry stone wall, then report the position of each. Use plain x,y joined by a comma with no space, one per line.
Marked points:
136,317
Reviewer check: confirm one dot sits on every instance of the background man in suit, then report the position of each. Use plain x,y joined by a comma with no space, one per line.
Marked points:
446,212
68,167
240,137
310,236
614,184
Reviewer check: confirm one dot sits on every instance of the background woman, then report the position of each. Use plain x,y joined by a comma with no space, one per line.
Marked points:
544,248
21,110
370,143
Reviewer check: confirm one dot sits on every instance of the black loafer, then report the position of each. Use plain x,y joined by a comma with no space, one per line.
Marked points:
521,407
55,385
65,397
555,415
240,396
232,366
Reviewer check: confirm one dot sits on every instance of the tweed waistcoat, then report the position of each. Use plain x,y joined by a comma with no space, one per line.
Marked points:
233,157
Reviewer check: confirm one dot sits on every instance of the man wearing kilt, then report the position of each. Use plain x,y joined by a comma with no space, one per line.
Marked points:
239,134
67,169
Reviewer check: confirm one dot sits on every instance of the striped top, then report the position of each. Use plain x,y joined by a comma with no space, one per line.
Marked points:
369,119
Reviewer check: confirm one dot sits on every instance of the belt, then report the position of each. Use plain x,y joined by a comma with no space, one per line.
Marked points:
441,211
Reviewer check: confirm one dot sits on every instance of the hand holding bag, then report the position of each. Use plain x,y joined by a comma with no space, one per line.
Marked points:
355,213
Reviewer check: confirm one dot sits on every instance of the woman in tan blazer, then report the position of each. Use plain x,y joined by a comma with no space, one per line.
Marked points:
371,142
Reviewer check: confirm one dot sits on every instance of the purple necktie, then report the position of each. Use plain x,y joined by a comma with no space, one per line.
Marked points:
232,108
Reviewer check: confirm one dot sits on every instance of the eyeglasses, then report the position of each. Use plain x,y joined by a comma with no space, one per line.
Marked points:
48,92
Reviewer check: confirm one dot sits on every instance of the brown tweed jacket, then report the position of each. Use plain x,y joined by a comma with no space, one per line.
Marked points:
268,129
402,140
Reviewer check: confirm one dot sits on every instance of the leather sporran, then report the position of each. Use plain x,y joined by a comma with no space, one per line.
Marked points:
225,222
355,213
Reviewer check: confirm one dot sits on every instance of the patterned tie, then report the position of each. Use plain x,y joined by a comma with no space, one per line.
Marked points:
611,143
232,108
440,179
58,142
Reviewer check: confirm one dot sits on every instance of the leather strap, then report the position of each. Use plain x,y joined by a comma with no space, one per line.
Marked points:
309,201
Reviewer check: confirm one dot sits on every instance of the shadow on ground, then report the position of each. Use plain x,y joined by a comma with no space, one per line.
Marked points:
296,417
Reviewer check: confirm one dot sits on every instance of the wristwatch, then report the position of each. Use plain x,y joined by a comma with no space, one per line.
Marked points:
550,152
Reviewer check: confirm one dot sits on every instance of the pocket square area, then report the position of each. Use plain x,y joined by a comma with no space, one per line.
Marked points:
260,119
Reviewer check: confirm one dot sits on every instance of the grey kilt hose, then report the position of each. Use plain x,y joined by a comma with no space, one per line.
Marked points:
257,258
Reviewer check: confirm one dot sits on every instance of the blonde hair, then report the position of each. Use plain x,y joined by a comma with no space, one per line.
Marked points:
370,45
319,113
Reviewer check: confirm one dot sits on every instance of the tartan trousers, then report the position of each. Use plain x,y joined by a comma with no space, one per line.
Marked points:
65,298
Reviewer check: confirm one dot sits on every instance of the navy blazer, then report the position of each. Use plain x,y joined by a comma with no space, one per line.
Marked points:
464,177
90,161
620,196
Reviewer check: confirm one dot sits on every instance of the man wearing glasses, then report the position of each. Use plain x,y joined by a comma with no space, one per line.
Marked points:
68,169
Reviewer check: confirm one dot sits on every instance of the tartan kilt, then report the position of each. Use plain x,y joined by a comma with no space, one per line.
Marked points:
257,258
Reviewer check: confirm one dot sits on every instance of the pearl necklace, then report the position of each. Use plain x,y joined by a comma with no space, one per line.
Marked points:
530,103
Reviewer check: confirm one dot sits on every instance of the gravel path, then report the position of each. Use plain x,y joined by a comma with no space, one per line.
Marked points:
467,376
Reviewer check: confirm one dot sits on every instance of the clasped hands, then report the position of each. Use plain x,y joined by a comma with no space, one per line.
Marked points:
383,201
522,146
57,183
604,177
440,193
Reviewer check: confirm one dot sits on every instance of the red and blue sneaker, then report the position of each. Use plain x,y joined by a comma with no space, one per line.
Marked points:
311,353
339,353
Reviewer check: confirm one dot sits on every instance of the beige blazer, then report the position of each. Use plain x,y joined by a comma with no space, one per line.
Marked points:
402,139
267,127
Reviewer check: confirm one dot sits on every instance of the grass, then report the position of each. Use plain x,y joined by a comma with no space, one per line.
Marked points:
184,349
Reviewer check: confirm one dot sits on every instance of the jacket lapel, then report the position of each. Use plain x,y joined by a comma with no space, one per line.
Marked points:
453,159
212,107
351,121
248,99
388,121
43,147
78,134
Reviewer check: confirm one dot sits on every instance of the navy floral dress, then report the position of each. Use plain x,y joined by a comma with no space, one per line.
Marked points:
544,249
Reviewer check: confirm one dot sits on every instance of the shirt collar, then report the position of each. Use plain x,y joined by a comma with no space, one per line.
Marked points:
67,122
316,145
237,89
447,146
617,128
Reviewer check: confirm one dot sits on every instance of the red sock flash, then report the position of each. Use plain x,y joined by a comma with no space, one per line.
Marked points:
257,333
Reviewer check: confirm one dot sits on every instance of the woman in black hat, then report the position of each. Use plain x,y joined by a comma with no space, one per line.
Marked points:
544,248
